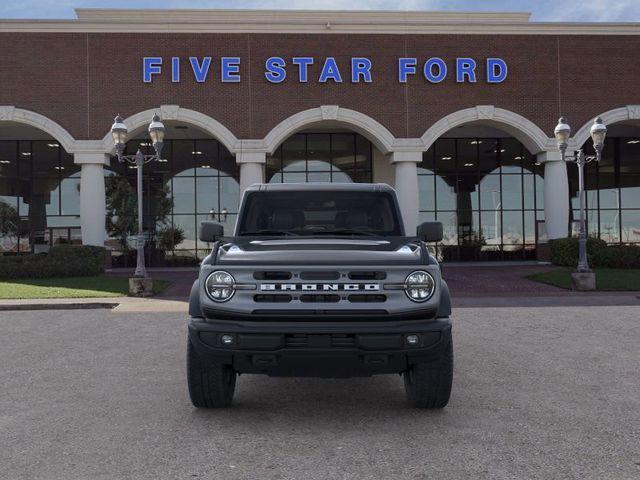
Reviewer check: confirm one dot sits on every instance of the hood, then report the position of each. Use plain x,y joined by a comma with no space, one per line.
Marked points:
320,251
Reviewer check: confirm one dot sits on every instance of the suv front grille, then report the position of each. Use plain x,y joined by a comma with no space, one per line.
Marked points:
308,287
277,298
272,275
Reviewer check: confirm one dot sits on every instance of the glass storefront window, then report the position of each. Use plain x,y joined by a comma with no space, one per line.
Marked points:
201,180
630,225
39,195
321,157
612,191
488,194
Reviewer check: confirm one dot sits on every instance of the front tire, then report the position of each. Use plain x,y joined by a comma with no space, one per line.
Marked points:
428,385
212,384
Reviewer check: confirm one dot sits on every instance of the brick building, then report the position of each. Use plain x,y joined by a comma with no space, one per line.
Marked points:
456,110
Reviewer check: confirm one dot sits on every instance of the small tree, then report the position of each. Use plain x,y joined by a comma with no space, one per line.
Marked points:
122,209
169,237
9,221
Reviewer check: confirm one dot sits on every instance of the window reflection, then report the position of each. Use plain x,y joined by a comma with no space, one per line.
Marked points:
321,157
39,196
488,193
612,191
201,179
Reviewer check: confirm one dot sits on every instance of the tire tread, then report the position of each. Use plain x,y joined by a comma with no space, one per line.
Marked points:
428,385
208,384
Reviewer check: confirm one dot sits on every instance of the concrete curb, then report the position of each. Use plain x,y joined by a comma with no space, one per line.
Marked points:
57,306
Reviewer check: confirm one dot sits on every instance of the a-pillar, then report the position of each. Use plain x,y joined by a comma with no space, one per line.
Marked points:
251,168
406,185
92,196
556,194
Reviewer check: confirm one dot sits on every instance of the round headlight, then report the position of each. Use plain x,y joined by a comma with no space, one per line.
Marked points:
220,286
419,286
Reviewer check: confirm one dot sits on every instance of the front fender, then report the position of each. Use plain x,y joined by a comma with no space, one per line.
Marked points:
194,300
444,308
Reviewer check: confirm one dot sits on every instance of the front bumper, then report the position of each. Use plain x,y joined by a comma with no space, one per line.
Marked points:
320,349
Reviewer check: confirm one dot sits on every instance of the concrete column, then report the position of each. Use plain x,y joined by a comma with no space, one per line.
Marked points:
556,194
251,168
406,185
92,197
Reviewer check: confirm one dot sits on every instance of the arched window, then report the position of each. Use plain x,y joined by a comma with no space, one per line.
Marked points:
39,195
321,157
487,192
200,178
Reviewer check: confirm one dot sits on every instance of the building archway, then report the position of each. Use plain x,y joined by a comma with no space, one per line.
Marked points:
487,188
612,185
521,128
610,117
11,114
197,179
138,123
39,183
331,115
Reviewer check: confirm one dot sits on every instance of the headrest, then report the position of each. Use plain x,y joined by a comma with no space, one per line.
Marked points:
287,219
352,219
282,220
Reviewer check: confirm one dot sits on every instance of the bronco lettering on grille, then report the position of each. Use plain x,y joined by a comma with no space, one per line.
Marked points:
323,287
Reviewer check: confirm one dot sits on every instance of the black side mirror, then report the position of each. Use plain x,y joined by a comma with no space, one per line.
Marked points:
430,231
210,231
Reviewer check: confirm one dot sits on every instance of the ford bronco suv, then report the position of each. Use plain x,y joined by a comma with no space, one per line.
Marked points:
319,280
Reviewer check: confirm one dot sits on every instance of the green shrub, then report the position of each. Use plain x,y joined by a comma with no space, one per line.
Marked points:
61,261
618,256
564,251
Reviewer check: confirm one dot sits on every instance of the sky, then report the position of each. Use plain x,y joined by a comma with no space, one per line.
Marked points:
542,10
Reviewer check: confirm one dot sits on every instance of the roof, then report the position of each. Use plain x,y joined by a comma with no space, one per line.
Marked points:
321,187
310,21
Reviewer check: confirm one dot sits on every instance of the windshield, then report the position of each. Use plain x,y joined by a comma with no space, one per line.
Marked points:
293,213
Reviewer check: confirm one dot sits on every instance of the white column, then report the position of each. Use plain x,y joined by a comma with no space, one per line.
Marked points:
406,185
92,197
556,194
251,168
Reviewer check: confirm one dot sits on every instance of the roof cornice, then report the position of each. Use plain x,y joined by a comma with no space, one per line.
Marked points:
312,21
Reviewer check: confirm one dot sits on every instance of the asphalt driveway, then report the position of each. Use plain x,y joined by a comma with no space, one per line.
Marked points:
538,393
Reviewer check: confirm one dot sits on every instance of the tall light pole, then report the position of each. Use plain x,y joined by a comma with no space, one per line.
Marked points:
119,133
562,133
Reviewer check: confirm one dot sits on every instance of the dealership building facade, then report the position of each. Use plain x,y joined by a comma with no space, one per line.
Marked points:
455,110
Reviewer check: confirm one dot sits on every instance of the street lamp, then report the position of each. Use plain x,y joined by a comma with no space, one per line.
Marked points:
562,133
119,133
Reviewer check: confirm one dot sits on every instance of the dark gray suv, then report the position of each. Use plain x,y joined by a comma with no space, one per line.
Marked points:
320,280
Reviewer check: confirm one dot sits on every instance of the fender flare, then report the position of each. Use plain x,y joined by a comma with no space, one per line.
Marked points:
444,309
194,300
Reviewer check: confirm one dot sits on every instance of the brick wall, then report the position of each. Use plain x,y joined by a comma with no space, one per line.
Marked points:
82,80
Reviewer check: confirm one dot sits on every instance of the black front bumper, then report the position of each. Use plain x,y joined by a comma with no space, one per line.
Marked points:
319,349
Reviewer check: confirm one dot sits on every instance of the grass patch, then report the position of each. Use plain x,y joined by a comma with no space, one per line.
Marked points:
70,287
607,279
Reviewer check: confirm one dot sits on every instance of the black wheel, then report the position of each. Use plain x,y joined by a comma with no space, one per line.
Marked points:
211,385
428,385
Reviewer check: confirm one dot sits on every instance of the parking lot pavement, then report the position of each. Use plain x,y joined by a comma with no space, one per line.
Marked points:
538,393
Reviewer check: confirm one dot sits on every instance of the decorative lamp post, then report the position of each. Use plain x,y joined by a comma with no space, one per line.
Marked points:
583,278
119,133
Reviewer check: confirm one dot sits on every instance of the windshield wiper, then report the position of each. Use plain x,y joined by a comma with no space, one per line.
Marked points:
346,232
269,232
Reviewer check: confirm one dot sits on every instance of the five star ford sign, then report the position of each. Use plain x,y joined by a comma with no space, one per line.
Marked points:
305,69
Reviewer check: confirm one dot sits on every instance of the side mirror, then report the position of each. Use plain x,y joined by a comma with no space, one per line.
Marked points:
430,231
210,231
